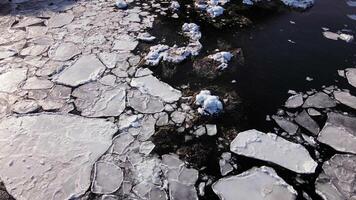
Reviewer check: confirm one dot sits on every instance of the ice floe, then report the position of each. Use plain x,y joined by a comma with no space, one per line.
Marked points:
255,184
339,132
272,148
57,153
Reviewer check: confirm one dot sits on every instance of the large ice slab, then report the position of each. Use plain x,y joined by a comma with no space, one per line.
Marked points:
255,184
151,85
337,181
269,147
50,156
87,68
339,132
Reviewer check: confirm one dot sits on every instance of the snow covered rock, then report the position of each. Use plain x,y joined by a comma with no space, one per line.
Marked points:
339,132
210,104
56,152
337,180
272,148
255,184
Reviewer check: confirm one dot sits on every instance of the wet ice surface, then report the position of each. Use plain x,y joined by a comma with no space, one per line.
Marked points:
86,64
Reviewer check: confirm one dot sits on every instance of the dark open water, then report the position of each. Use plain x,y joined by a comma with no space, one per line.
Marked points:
273,65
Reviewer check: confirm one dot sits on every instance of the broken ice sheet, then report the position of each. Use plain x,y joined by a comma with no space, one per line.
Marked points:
339,132
337,179
254,184
272,148
57,153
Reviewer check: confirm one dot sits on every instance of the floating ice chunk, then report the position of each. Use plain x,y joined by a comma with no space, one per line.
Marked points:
200,131
301,4
255,184
351,76
121,4
96,100
210,104
225,166
319,100
65,51
345,98
294,101
211,129
125,43
339,132
57,153
86,68
144,103
121,142
179,191
304,120
285,124
146,147
351,3
178,117
353,17
337,36
151,85
107,179
337,178
272,148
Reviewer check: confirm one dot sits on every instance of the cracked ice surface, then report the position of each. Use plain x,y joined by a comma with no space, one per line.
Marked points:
56,152
255,184
337,181
339,132
272,148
